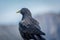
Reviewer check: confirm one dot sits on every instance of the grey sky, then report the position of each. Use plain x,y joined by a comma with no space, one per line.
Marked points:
8,8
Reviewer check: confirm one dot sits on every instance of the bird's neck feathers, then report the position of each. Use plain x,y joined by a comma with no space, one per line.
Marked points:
26,15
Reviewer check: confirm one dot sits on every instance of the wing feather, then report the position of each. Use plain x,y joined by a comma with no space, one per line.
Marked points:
31,26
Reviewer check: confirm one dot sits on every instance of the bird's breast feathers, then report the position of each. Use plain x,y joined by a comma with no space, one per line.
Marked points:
26,22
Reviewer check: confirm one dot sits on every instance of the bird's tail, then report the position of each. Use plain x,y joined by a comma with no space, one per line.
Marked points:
39,37
42,33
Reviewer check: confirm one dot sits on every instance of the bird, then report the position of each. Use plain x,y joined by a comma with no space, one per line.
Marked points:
29,27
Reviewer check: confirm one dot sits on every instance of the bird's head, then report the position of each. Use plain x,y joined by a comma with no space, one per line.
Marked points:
24,11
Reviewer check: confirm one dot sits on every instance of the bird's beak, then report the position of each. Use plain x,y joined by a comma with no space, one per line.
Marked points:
18,11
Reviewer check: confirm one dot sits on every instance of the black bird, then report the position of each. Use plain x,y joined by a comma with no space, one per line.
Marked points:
29,27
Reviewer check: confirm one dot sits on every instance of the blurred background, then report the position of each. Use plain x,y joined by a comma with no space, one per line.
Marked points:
46,12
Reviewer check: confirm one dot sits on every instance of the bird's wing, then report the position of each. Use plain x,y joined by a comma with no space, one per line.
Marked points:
23,25
35,23
30,21
36,26
31,26
25,22
33,29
